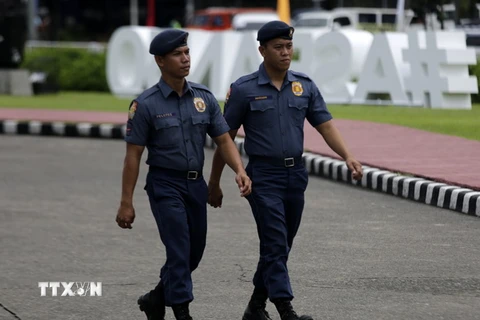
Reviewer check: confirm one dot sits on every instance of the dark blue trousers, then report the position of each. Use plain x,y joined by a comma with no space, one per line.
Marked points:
277,202
180,210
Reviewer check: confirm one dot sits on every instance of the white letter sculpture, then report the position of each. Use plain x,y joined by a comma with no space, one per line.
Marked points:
415,69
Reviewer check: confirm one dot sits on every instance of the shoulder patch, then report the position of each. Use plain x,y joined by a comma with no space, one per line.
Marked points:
228,94
300,74
132,109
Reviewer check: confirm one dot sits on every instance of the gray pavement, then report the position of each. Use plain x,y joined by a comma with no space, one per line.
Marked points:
358,255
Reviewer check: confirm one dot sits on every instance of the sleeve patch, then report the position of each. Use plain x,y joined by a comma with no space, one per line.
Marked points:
132,110
228,94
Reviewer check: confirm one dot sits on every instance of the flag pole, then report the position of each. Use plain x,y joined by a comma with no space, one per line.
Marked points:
283,10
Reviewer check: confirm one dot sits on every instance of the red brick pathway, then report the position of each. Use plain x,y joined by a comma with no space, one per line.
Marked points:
435,156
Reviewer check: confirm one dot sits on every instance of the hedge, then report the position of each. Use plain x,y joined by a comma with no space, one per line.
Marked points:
84,70
69,69
475,71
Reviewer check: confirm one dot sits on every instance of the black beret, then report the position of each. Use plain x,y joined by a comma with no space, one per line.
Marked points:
275,29
167,41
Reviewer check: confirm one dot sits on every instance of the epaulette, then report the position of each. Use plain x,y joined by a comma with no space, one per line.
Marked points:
147,93
199,86
300,74
247,77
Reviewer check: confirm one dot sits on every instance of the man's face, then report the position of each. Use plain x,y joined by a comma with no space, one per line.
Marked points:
278,53
176,63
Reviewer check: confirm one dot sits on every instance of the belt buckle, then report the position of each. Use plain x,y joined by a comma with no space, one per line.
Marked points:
289,162
192,175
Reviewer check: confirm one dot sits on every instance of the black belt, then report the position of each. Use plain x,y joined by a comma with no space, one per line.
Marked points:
189,175
279,162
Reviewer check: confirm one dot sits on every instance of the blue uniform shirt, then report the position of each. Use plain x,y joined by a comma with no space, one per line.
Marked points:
273,120
174,128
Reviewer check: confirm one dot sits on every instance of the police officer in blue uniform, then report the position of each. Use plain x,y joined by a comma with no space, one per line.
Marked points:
172,119
272,105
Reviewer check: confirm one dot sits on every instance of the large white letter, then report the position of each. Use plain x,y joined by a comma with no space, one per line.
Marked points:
205,53
439,69
303,44
246,57
213,59
127,60
336,53
54,286
380,74
95,289
43,288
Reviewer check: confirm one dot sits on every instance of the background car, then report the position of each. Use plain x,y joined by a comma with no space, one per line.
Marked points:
219,18
252,20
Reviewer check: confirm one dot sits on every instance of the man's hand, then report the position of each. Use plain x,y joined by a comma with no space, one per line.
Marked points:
125,216
244,184
355,167
215,195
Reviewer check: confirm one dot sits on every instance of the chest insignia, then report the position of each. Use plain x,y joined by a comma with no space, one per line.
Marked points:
199,104
297,88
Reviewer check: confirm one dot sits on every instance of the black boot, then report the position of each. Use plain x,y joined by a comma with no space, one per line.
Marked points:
153,305
286,312
256,307
181,312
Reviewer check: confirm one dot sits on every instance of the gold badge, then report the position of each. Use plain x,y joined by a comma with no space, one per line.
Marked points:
131,111
297,88
199,104
291,33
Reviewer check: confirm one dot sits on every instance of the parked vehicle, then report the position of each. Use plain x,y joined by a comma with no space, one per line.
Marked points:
356,18
219,18
252,20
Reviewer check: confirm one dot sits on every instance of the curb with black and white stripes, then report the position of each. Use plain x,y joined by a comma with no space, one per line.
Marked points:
418,189
437,194
109,131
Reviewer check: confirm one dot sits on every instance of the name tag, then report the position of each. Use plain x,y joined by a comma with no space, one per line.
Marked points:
165,115
256,98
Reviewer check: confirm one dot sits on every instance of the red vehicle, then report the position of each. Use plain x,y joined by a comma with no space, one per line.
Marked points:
220,18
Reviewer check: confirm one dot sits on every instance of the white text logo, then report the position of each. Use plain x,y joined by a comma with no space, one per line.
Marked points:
70,289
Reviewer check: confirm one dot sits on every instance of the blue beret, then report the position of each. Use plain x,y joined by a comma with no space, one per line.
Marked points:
275,29
167,41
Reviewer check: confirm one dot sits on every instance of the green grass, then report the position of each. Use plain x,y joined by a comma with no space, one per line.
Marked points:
87,101
462,123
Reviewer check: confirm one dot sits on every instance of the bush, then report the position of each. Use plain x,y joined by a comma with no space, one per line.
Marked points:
69,69
475,71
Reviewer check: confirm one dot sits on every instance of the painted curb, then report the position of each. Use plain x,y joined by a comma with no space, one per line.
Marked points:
430,192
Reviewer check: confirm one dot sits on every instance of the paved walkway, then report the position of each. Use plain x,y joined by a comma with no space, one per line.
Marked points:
358,254
434,156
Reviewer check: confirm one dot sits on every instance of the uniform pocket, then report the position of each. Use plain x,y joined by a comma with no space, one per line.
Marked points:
200,125
200,120
297,109
168,132
263,113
